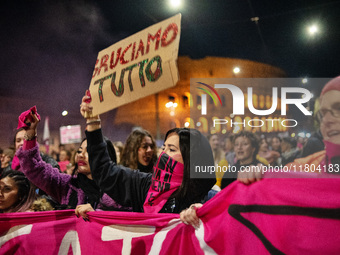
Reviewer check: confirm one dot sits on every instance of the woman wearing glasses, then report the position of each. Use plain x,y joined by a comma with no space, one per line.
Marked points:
328,160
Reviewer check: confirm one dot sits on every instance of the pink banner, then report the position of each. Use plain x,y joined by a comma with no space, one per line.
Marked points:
273,216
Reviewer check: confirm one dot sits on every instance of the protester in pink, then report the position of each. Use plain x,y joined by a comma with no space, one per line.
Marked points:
67,190
64,160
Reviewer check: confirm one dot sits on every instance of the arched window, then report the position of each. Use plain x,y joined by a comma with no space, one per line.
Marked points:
268,102
264,126
270,125
186,100
255,101
239,126
262,103
217,127
247,127
203,123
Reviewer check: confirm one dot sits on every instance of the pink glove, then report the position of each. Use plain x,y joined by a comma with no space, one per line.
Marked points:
23,116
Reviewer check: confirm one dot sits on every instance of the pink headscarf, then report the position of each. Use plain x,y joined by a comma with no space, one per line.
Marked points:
333,84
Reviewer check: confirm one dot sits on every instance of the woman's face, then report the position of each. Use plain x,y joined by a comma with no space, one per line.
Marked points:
8,194
276,144
228,146
330,125
19,139
284,146
243,150
171,147
5,159
214,142
263,145
63,156
145,151
82,159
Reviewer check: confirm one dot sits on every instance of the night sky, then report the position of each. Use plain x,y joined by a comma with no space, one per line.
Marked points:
49,48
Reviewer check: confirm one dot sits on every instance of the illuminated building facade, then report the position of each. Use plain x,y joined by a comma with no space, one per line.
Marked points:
173,107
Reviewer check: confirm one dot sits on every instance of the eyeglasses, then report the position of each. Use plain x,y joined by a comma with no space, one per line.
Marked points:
334,112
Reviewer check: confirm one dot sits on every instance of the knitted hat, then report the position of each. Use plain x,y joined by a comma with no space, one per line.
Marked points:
333,84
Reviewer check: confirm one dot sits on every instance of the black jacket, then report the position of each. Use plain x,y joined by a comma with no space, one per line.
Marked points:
127,187
313,145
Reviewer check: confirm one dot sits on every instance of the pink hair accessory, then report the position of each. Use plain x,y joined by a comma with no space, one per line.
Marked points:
333,84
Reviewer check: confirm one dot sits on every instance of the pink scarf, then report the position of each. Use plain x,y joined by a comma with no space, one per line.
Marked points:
166,178
332,150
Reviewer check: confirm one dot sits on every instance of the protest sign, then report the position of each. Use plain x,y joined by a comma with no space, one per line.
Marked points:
140,65
70,134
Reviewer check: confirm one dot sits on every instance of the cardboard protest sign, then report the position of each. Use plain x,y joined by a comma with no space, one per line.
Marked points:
140,65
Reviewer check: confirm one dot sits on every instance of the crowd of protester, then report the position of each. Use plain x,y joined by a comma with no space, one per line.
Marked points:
116,176
320,153
68,172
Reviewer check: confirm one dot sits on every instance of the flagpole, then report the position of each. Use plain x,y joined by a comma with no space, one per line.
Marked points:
46,136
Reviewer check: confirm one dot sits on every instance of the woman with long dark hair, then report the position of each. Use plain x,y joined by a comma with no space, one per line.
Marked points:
16,192
139,151
169,188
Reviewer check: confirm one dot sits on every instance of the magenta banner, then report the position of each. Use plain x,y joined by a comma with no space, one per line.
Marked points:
272,216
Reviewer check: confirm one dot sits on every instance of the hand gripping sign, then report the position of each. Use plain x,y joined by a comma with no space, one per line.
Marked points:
140,65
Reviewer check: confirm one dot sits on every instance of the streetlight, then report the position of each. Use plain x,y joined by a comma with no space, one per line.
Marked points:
175,3
171,106
64,113
236,70
313,29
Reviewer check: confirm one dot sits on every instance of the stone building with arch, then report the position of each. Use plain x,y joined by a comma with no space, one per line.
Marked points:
173,107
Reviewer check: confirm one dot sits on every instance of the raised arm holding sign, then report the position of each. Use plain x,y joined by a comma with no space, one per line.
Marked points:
138,66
